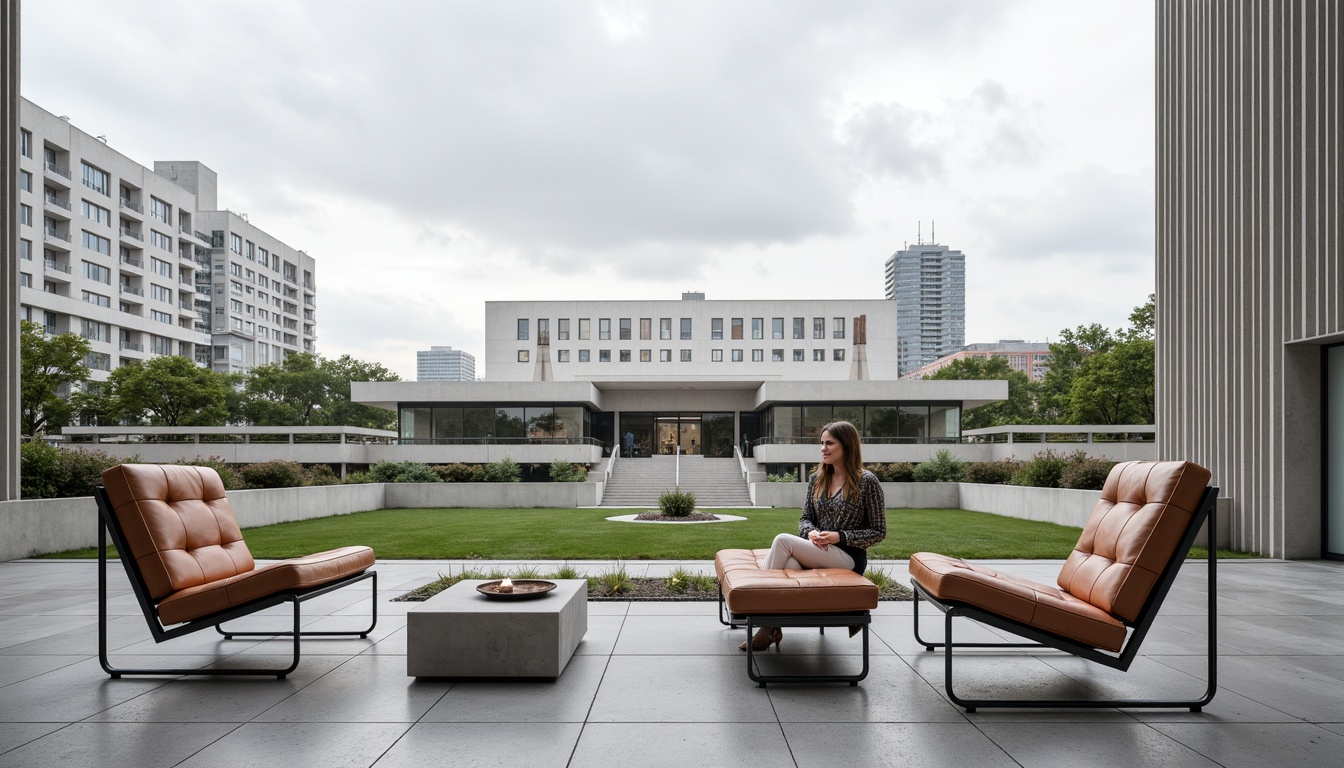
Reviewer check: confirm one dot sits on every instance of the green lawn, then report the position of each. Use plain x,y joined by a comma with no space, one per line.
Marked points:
585,534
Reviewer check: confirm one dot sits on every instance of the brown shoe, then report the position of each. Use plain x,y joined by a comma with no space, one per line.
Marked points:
763,638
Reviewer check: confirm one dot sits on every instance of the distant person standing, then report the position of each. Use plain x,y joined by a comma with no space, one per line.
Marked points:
629,443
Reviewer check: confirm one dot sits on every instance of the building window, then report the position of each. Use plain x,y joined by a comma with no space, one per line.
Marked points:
562,356
776,327
798,356
160,345
776,355
737,327
236,243
758,327
685,329
583,355
95,331
839,328
716,329
26,250
251,250
665,328
160,210
99,244
26,215
716,355
685,355
25,181
160,267
758,355
645,328
562,329
97,180
167,319
839,356
737,355
799,327
604,355
97,213
26,143
604,329
818,327
160,293
25,280
523,326
97,299
585,329
664,355
97,272
161,240
523,355
625,355
625,329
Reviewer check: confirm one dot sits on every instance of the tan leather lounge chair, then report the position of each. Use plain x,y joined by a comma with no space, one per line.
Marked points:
1108,592
190,568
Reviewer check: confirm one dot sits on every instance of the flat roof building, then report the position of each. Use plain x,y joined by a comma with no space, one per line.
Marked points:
928,284
1029,357
444,364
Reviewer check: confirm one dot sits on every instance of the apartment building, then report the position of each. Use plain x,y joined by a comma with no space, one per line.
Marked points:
141,262
444,364
107,247
928,284
1029,357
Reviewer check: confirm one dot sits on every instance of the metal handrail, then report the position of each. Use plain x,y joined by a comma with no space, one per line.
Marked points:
126,203
58,202
58,170
492,440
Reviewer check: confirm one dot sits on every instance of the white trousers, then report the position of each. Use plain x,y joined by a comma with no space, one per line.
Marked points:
797,553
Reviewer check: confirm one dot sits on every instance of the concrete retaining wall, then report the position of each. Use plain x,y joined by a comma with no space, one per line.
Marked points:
898,495
39,526
491,495
282,505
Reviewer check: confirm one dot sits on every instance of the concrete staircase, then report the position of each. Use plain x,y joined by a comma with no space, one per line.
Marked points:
639,482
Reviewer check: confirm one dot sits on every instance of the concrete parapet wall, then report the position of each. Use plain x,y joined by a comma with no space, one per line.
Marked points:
491,495
39,526
282,505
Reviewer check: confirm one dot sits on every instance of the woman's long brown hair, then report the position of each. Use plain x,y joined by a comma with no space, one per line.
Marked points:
848,437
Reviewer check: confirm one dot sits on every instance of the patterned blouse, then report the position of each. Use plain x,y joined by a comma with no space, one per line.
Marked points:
860,521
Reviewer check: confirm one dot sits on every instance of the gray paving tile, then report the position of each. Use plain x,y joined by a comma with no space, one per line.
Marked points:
676,635
1333,727
1260,745
674,608
608,608
69,694
667,689
1069,745
364,689
21,632
600,639
18,668
1305,687
299,745
1000,675
116,745
929,745
566,700
14,735
892,692
635,745
467,745
898,631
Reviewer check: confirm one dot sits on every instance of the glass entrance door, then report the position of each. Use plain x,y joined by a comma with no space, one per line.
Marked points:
678,434
667,435
691,445
1334,452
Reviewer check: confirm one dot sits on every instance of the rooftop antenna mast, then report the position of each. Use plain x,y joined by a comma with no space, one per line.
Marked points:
919,233
933,231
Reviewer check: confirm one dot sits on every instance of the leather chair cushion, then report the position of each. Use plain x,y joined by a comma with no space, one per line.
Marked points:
749,589
1132,534
294,573
178,524
1041,606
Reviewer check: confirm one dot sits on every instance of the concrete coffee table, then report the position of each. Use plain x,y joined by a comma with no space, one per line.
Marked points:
462,633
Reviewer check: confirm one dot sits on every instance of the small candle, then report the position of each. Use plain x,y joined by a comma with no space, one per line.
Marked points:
506,585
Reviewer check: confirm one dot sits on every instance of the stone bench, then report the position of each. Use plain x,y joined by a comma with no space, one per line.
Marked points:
752,595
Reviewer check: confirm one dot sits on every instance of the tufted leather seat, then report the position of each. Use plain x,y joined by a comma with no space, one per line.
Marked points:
748,588
1131,536
189,550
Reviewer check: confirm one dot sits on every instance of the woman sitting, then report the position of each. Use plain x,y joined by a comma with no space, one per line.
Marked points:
844,514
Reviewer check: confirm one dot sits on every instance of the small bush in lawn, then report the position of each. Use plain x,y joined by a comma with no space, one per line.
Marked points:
506,470
942,468
460,473
322,474
991,472
677,503
401,472
784,477
898,472
564,472
48,472
276,473
1043,471
1085,473
226,473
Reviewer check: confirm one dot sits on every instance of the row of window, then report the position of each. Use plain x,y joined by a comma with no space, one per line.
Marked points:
736,328
665,355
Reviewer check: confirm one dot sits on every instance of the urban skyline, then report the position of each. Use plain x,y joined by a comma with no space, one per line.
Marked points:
744,151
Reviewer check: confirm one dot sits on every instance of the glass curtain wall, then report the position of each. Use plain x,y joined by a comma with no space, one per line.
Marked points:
457,424
1333,439
895,423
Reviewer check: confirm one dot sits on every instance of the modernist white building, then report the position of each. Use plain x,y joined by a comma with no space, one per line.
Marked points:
577,379
141,263
928,284
444,364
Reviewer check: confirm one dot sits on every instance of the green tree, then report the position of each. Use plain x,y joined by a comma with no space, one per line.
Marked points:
170,391
286,394
1019,408
47,366
339,410
1066,359
1103,377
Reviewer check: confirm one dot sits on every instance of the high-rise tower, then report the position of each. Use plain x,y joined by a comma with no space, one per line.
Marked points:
928,284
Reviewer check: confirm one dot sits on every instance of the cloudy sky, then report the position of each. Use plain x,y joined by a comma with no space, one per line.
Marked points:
435,155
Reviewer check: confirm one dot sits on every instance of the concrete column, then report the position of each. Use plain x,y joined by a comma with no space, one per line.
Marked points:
9,250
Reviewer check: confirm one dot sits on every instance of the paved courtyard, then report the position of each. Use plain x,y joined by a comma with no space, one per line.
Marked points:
663,684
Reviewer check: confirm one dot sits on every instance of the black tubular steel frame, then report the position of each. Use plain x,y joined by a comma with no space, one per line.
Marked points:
108,523
822,620
1120,661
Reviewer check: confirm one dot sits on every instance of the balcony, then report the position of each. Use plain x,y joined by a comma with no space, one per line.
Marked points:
131,346
127,205
54,171
132,290
310,287
131,234
132,261
50,330
57,270
56,239
56,206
